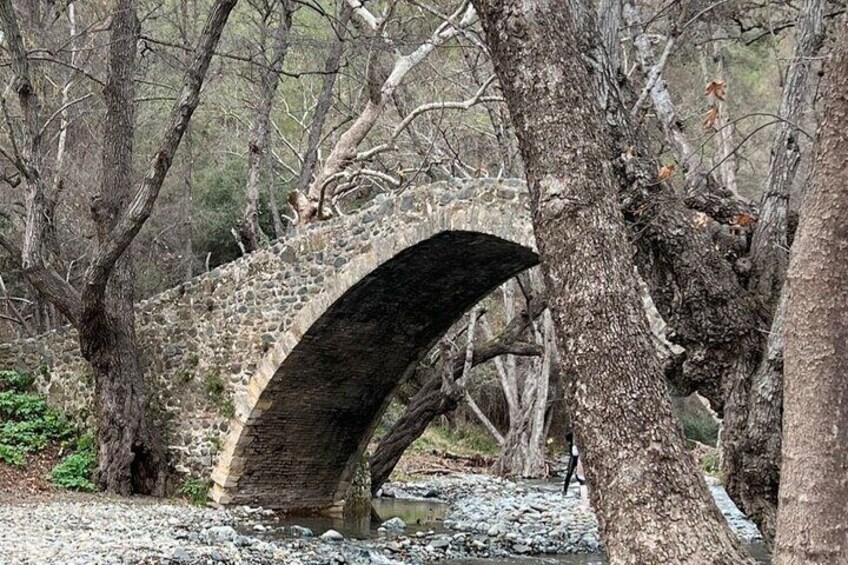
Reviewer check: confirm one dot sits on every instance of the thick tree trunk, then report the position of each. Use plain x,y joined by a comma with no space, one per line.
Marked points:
250,231
131,455
751,440
652,504
812,529
131,458
103,313
751,446
770,243
427,405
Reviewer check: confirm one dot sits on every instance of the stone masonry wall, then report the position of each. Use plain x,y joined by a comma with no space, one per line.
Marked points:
203,340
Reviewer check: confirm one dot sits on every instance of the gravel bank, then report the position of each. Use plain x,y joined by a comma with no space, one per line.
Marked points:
488,518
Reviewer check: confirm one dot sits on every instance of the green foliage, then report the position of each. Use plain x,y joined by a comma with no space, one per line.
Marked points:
699,427
711,465
75,471
228,409
195,490
15,382
17,406
185,376
28,426
214,442
465,441
213,386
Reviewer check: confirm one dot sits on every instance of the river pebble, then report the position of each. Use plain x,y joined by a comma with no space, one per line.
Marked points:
488,517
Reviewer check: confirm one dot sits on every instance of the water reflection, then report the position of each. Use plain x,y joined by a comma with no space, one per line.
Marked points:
419,515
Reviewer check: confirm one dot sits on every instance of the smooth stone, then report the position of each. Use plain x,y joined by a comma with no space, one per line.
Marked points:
394,525
301,532
332,535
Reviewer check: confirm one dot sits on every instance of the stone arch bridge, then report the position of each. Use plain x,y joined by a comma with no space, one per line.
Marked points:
270,373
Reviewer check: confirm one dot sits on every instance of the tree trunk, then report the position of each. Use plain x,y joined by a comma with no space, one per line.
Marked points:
103,313
185,207
812,529
434,399
427,405
770,243
131,455
250,231
652,504
131,458
751,437
523,451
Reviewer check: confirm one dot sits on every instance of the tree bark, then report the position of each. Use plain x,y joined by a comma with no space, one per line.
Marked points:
131,458
652,504
434,400
250,231
770,242
523,449
185,207
752,430
812,529
131,453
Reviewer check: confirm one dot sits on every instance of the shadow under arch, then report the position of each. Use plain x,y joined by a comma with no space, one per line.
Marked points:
325,399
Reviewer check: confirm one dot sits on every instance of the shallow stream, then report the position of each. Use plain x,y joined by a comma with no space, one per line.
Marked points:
419,515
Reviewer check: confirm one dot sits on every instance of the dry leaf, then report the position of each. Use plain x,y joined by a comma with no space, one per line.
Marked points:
717,88
711,118
666,172
743,220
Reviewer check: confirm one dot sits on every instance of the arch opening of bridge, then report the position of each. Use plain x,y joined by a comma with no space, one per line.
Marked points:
314,411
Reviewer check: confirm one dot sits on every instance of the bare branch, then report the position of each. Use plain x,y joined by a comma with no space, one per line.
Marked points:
141,206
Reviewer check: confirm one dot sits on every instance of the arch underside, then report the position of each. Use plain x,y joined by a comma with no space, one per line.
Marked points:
329,393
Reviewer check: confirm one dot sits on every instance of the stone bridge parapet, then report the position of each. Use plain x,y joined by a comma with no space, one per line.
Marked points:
243,361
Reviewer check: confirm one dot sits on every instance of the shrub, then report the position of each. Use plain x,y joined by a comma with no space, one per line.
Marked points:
699,428
711,464
195,490
28,426
15,382
75,471
214,387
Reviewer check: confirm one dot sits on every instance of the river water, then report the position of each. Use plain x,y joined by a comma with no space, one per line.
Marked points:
427,515
419,515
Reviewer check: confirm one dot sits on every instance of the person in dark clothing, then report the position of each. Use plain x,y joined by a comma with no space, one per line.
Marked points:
575,469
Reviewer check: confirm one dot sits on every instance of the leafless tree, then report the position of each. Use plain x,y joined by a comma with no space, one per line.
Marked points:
131,455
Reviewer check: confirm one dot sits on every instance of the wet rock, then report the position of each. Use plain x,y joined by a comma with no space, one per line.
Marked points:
332,535
301,532
220,534
393,525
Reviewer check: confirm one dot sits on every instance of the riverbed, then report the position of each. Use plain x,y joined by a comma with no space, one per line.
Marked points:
462,520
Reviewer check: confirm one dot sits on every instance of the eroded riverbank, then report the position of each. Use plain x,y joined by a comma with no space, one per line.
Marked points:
484,518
